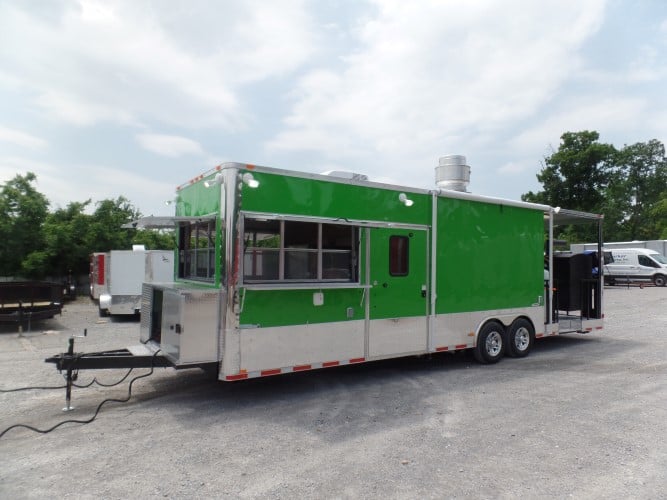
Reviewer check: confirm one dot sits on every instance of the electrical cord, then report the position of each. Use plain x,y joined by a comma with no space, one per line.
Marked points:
99,407
80,386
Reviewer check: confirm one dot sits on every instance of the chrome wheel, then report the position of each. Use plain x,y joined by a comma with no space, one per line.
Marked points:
494,344
522,339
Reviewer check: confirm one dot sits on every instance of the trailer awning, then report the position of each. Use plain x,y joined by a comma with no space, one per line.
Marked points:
564,216
165,221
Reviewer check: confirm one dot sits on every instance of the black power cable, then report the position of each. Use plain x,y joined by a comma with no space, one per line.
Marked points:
99,407
80,386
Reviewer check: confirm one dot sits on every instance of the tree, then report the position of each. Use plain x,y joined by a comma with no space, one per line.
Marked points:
105,232
155,239
659,212
642,169
628,186
22,212
576,177
66,240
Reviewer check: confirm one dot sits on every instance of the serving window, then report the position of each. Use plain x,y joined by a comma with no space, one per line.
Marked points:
290,251
196,250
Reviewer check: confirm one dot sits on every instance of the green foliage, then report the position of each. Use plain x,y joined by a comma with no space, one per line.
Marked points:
659,213
575,176
104,232
22,211
625,185
39,244
155,240
643,171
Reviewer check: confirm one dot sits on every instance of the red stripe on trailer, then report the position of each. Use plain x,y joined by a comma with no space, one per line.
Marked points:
275,371
440,349
589,329
539,335
301,368
328,364
357,360
239,376
461,346
599,327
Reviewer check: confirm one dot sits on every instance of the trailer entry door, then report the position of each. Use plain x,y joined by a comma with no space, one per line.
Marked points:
398,297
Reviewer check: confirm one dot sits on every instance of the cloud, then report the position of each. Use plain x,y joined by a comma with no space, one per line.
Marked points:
169,145
438,76
101,182
613,117
20,138
126,62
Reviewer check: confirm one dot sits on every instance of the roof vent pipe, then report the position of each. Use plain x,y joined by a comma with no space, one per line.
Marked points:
452,173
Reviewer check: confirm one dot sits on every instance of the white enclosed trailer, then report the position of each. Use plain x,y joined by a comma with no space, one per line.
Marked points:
127,271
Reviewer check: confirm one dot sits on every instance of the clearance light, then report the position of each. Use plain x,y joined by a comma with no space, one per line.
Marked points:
405,200
216,180
249,180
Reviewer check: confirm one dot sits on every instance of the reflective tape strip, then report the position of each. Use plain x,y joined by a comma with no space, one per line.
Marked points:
457,347
290,369
266,373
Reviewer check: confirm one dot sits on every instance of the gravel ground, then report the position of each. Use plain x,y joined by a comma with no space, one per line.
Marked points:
583,416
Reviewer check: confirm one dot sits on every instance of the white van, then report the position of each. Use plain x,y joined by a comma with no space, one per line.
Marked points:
636,264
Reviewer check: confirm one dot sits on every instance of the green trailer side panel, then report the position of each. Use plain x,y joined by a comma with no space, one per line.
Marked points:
298,196
489,256
267,308
196,199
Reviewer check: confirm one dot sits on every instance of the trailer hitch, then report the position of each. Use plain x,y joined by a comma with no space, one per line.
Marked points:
71,362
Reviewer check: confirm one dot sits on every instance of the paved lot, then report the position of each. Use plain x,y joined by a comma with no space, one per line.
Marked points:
584,416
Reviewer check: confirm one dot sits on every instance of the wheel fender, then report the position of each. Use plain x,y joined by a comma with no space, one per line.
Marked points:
105,301
505,320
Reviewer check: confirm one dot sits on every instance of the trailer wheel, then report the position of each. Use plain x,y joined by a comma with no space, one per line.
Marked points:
520,338
659,280
102,312
490,343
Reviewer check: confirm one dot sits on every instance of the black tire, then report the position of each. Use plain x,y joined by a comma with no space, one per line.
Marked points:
490,343
659,280
102,312
520,338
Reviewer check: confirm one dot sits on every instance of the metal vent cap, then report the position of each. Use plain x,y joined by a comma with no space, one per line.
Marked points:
452,173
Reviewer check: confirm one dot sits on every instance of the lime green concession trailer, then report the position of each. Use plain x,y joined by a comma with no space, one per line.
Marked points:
280,271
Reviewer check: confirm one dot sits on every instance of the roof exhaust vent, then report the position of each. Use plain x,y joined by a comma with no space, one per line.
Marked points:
452,173
346,174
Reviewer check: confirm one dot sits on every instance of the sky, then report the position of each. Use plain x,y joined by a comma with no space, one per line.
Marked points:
103,98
